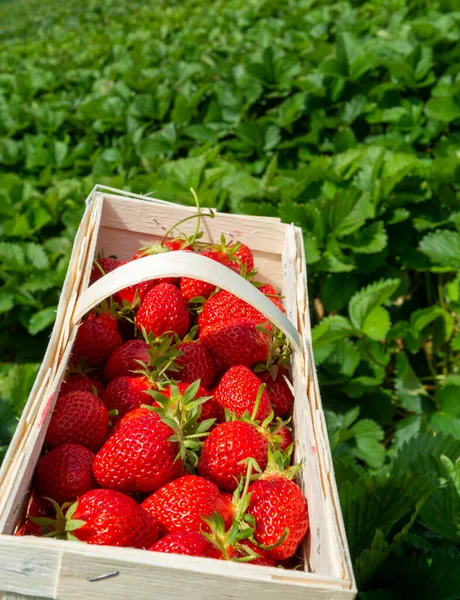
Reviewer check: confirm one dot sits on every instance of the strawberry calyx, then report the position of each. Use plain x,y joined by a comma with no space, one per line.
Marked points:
163,351
279,464
62,526
181,412
279,349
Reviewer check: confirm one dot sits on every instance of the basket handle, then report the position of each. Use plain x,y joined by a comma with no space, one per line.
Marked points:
183,264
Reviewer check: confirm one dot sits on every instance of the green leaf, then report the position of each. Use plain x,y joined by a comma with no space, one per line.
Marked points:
330,330
369,298
369,240
444,109
42,319
376,324
409,388
443,248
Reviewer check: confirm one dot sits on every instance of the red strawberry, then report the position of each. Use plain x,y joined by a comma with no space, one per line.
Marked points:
81,383
125,393
128,294
37,507
224,450
272,295
224,306
158,249
97,338
286,438
191,288
196,363
209,409
65,473
235,342
101,267
179,505
241,256
138,456
278,504
124,361
239,552
191,543
79,418
114,519
238,390
163,309
278,391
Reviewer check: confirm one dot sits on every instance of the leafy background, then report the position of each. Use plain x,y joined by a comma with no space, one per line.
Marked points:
339,116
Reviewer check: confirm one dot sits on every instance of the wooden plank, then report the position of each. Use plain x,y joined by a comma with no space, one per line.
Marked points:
155,219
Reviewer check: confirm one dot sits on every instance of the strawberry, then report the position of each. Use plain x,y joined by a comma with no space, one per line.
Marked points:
241,256
241,550
112,519
163,309
239,390
102,266
138,456
278,391
235,342
81,383
79,418
36,507
124,360
179,505
158,249
65,473
272,295
224,306
278,506
125,393
225,449
285,436
192,288
195,362
191,543
97,338
209,409
135,292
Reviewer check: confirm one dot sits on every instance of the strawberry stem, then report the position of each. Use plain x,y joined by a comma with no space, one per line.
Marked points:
258,399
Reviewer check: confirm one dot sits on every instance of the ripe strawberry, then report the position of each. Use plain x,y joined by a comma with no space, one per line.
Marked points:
286,438
124,361
81,383
97,338
126,393
191,543
240,255
163,309
65,473
241,550
113,519
132,292
179,505
79,418
238,392
272,295
224,450
138,456
195,362
191,288
36,507
224,306
235,342
209,409
159,249
278,504
101,267
278,391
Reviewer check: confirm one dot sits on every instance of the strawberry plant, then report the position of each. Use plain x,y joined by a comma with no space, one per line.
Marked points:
339,116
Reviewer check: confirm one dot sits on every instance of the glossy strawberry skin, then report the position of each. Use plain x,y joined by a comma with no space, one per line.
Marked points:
179,505
79,418
97,338
278,391
128,294
191,288
190,543
286,438
65,473
209,409
244,256
126,393
114,519
278,503
163,309
124,361
237,392
224,306
272,295
224,449
37,507
80,383
196,363
235,342
107,265
138,457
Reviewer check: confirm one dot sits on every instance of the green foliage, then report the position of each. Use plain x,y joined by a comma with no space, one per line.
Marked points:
341,117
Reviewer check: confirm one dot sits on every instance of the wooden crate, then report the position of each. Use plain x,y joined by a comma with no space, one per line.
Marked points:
120,223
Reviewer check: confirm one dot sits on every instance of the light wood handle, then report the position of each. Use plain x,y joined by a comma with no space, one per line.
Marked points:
184,264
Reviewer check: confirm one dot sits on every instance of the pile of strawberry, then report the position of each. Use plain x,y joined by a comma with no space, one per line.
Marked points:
168,431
